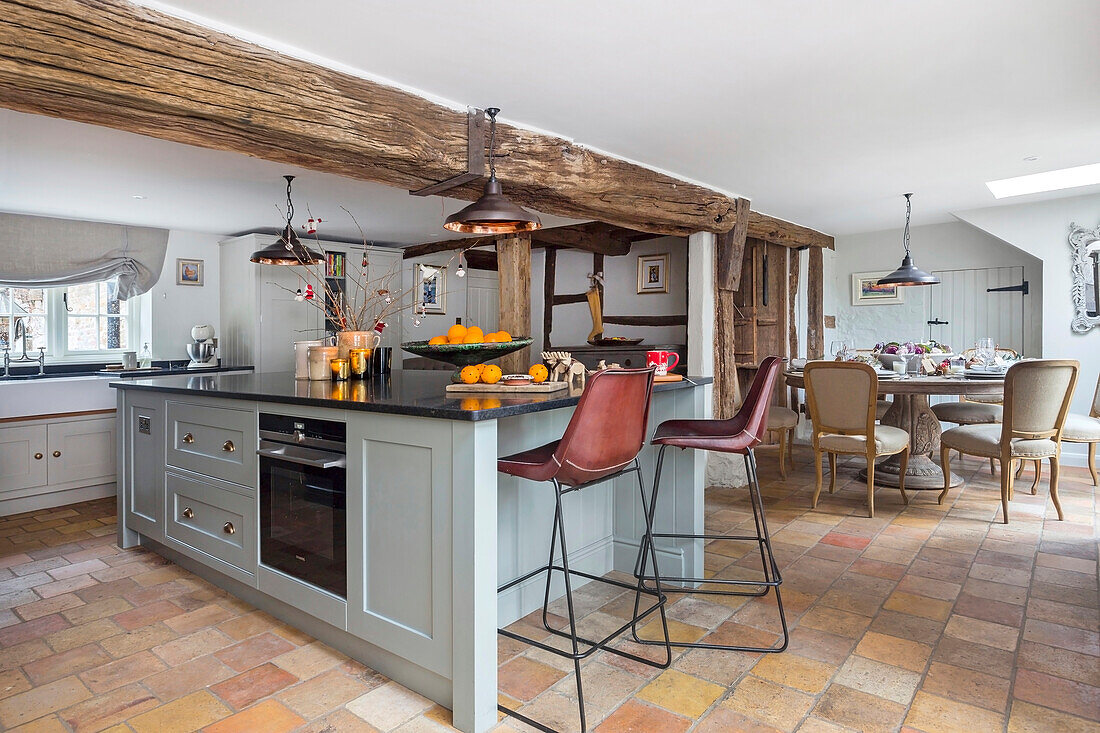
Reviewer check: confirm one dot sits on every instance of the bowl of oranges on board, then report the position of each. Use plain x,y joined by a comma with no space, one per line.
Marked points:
464,346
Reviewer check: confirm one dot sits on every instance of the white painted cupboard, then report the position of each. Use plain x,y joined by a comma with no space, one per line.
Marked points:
53,461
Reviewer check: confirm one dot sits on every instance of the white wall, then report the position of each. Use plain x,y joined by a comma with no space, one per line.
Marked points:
573,322
951,246
174,309
1042,229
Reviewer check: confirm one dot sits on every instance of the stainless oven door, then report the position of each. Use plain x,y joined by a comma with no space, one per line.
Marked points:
303,514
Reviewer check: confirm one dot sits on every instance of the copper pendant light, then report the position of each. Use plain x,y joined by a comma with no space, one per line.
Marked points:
493,213
289,250
908,273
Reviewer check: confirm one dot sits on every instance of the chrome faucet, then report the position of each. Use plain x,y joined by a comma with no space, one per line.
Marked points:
21,332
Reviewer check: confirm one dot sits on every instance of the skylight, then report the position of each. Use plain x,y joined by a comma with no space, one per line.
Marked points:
1082,175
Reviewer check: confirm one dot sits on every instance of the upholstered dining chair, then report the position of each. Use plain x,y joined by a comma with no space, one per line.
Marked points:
842,396
1037,397
783,420
1086,429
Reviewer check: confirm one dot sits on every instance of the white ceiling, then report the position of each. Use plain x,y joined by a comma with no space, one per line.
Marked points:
54,167
821,113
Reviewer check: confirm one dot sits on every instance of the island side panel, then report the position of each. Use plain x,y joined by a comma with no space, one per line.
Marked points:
680,501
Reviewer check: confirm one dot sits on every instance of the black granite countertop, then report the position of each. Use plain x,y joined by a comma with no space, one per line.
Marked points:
166,371
416,393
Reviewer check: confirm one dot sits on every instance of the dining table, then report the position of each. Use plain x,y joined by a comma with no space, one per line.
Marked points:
910,411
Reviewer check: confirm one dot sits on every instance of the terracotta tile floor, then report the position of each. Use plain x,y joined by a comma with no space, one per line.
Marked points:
925,618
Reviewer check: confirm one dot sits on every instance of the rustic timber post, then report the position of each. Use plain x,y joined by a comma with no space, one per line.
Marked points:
815,307
792,314
514,269
728,255
549,280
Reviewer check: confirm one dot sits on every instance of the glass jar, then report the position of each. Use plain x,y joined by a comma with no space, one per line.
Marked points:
348,340
319,358
358,362
339,369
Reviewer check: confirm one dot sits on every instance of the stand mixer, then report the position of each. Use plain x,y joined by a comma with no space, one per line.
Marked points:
203,350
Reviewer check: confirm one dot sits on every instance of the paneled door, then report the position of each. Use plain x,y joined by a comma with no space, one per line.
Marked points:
482,299
966,306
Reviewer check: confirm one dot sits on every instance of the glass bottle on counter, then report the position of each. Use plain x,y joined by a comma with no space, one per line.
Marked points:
145,361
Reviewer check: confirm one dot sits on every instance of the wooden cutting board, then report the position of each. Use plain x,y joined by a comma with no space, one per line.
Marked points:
498,388
669,378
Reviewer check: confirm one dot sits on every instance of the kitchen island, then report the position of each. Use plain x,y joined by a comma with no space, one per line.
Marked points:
431,527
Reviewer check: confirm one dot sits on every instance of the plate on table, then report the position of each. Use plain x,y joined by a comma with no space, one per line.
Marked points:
985,374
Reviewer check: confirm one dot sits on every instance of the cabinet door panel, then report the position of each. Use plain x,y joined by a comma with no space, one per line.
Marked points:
143,421
83,450
19,468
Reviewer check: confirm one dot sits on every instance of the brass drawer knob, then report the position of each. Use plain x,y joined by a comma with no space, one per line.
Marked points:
228,446
188,438
57,454
38,456
188,513
228,528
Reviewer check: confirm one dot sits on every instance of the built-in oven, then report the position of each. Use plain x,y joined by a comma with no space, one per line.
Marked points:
303,499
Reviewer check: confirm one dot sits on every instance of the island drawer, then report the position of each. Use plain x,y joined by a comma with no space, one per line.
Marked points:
212,519
215,441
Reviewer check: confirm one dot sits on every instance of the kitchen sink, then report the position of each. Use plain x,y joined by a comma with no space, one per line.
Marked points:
24,377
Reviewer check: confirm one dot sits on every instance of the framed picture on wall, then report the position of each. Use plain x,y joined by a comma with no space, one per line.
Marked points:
653,273
867,291
431,288
189,272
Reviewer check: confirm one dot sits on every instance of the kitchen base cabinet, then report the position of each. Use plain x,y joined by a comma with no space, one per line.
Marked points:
56,460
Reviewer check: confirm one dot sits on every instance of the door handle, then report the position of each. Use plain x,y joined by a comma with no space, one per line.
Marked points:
188,513
938,322
57,454
188,438
228,528
38,456
228,446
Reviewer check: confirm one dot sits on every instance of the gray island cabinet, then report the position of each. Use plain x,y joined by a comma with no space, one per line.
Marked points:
431,527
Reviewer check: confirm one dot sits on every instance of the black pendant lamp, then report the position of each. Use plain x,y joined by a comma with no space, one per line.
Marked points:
908,273
289,250
493,213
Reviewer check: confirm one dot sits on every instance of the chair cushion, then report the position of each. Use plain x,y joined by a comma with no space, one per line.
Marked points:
968,413
781,418
1081,429
888,440
985,440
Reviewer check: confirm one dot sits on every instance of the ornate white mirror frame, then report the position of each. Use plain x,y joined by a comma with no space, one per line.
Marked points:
1085,244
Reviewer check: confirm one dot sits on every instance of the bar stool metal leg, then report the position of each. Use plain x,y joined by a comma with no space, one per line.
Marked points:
772,577
576,640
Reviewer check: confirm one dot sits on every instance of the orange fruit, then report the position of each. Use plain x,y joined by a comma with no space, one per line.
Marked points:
475,332
470,403
437,340
473,338
492,338
491,374
469,375
539,373
456,333
504,337
480,368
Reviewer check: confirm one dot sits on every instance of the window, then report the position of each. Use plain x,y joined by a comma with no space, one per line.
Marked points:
95,318
79,322
28,305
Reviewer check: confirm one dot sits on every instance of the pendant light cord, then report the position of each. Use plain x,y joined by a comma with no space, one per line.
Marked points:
908,211
289,203
492,112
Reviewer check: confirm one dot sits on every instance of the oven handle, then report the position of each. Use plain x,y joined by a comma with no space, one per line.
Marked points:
330,460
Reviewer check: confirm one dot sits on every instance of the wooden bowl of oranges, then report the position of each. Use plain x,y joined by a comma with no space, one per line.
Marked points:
462,346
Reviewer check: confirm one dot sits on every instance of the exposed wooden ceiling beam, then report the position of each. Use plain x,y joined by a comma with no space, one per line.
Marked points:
593,236
788,234
112,63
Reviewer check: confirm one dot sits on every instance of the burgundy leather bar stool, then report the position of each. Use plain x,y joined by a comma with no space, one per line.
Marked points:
739,434
603,440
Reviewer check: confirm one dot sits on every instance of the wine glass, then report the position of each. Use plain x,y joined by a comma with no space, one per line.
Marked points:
839,349
986,351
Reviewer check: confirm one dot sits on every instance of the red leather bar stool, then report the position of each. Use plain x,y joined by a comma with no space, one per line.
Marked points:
602,442
739,434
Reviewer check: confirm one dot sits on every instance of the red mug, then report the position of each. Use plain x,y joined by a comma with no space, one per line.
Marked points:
661,359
